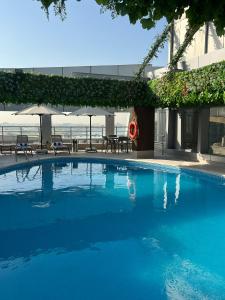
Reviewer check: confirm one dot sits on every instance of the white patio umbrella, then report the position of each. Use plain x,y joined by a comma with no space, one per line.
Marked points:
90,112
39,110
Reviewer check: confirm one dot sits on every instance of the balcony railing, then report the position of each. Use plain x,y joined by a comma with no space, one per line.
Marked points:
8,134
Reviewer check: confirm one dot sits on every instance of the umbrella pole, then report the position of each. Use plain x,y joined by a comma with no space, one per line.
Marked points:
90,133
41,129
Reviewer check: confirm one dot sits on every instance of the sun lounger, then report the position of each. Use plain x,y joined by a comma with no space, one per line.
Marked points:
57,144
22,145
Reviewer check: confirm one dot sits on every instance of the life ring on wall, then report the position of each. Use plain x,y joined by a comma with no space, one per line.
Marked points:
133,130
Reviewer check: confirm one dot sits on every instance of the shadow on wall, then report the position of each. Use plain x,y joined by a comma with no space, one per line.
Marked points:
214,37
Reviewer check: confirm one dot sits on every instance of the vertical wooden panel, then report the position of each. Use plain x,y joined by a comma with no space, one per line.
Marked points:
145,118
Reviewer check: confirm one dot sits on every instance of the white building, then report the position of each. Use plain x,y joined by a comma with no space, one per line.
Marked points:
122,72
206,47
190,132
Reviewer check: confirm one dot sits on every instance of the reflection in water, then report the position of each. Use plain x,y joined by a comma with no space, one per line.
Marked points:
177,192
165,195
23,175
88,224
131,188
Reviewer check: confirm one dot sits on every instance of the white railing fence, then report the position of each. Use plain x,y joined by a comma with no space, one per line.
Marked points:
8,134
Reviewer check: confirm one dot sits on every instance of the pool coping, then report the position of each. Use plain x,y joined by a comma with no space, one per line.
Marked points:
131,161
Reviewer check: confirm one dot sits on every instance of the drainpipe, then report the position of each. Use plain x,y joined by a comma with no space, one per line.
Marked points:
171,40
206,37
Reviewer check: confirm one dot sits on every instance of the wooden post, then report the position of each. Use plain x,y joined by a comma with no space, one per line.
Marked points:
144,144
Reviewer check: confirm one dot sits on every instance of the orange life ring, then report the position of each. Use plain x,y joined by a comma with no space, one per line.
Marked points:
133,130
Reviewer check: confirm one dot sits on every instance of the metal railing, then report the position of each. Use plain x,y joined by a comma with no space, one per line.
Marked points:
8,134
81,133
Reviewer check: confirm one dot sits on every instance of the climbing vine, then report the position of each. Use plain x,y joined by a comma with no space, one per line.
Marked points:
201,87
159,43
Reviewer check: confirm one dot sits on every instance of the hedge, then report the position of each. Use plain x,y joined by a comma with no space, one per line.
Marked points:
200,87
30,88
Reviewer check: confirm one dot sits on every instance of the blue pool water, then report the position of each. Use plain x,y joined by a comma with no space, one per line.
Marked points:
92,229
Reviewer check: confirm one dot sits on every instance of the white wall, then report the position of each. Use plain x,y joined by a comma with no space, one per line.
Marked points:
114,70
195,55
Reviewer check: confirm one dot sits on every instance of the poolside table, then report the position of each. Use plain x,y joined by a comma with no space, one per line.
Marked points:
123,143
113,141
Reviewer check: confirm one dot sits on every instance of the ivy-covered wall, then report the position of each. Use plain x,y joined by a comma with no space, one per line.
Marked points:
29,88
200,87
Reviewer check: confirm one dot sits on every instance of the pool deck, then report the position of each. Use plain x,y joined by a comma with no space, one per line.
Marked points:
209,167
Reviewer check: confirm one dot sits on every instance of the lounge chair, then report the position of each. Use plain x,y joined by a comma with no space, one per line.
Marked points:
22,145
57,144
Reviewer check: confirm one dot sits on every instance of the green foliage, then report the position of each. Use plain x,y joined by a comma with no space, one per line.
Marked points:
29,88
200,87
59,6
148,12
159,43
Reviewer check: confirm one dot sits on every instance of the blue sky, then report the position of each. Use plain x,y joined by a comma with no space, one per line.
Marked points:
86,37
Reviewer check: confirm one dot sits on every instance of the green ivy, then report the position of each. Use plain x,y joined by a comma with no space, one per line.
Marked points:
58,90
201,87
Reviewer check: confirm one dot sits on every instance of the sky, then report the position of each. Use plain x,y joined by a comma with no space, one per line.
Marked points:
85,37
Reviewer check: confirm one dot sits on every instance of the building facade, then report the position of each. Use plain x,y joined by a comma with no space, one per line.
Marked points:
122,72
197,133
192,133
206,48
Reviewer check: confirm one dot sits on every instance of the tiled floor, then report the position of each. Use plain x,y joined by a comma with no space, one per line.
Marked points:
212,167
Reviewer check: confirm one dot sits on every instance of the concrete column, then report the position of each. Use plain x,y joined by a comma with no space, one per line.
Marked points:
203,131
178,138
46,129
109,125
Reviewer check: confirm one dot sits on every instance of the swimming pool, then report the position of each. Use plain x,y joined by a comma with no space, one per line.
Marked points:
96,229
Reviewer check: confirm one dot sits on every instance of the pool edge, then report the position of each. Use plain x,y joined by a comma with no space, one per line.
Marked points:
158,165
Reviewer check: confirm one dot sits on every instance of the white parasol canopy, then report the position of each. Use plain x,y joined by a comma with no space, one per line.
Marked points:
40,110
90,112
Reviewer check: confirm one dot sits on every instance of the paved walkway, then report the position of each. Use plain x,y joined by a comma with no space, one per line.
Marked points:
211,167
